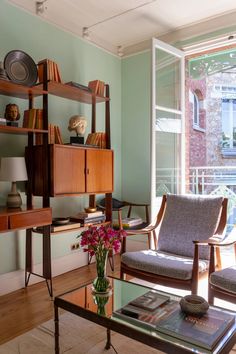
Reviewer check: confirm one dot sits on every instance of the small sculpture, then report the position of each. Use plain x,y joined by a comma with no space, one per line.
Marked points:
12,112
78,124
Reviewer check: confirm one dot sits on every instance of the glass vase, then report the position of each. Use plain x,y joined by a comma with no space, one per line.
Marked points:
101,284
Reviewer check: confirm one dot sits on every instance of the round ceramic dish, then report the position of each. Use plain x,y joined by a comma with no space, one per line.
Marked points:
60,221
194,305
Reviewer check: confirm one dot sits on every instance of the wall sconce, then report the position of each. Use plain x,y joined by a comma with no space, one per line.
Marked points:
13,169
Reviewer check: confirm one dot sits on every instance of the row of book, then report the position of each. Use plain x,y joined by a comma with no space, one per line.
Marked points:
54,134
97,87
33,118
97,139
53,73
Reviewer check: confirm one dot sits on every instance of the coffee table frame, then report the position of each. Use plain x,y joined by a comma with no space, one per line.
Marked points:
130,331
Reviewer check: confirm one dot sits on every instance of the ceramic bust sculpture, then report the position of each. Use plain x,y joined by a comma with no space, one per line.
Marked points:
78,124
12,112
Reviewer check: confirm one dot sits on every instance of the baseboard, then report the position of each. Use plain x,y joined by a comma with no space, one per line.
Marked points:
12,281
16,280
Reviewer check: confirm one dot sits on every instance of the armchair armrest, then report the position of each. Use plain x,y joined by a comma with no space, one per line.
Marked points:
227,241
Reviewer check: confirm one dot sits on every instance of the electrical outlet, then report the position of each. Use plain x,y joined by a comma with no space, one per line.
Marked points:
75,246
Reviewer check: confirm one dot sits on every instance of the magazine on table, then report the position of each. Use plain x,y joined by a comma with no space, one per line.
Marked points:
204,331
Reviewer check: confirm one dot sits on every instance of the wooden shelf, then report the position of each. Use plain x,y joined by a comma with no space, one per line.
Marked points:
70,230
73,93
8,88
18,130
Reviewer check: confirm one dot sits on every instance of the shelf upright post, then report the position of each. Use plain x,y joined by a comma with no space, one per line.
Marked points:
47,267
28,236
92,197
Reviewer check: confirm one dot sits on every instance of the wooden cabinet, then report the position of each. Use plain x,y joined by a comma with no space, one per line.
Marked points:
74,170
99,171
24,218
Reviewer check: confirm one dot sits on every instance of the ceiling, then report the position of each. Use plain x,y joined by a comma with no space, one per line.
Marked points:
126,23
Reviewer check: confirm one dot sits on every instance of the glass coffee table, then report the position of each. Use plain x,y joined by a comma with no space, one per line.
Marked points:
102,309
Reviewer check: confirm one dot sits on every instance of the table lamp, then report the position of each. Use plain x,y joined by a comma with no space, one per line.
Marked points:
13,169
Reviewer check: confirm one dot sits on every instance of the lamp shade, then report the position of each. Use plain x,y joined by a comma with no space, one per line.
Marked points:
13,169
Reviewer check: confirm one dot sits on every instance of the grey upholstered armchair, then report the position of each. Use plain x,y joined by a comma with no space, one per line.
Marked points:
222,283
182,252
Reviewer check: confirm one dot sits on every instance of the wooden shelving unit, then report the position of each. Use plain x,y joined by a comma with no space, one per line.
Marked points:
27,217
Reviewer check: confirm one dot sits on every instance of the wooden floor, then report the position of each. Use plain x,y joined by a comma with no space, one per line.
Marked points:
25,309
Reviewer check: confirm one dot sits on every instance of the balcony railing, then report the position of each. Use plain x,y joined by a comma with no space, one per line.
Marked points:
218,180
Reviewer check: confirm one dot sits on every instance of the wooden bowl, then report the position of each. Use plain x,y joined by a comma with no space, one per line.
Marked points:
194,305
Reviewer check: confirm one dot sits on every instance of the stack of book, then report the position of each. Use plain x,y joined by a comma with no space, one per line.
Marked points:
128,222
33,118
89,218
97,87
158,312
54,134
97,139
53,73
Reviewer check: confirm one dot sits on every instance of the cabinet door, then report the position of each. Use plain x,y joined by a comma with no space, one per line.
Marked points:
68,174
99,171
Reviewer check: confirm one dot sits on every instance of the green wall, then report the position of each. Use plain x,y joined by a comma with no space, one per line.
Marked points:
136,127
78,61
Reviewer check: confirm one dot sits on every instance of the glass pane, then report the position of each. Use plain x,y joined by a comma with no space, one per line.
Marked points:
167,68
168,176
168,122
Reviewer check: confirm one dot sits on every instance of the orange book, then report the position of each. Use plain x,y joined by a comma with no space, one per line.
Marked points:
39,119
94,85
26,119
101,88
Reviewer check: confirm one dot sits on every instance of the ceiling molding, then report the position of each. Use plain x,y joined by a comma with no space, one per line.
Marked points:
189,33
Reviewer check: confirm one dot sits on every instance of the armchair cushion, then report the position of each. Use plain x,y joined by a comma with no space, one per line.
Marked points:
188,218
225,279
162,263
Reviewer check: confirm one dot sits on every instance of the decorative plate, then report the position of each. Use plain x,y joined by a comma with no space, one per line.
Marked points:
20,68
60,221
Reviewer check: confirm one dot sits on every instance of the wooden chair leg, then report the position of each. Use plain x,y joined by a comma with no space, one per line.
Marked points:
210,296
218,258
149,240
122,274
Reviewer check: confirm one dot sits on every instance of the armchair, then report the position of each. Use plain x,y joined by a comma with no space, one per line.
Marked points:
222,283
187,222
118,206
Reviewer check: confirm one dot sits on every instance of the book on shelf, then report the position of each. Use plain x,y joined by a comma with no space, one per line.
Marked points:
97,87
53,73
128,222
90,220
204,331
84,215
58,136
97,139
82,87
33,118
68,226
